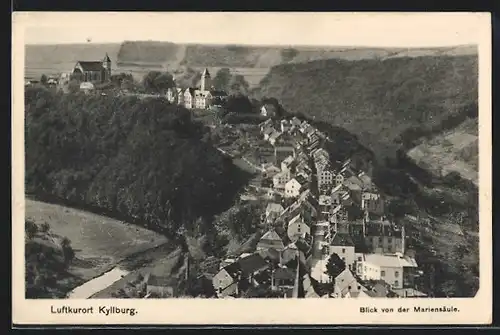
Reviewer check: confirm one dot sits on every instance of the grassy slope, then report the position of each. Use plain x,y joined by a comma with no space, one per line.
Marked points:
454,150
374,99
99,242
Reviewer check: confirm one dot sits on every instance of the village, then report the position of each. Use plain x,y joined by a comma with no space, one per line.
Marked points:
317,212
326,232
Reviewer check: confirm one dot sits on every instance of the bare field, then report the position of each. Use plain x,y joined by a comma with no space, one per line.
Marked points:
99,242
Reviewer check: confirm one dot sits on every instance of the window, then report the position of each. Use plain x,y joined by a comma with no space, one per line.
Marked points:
396,283
389,240
343,258
343,250
380,239
359,259
396,274
382,273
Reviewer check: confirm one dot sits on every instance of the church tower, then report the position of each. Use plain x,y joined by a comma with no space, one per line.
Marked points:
106,64
206,82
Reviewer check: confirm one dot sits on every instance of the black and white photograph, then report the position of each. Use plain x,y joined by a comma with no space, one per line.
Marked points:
239,156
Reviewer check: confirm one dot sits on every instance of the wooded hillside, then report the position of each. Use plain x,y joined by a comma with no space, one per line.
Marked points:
141,159
376,99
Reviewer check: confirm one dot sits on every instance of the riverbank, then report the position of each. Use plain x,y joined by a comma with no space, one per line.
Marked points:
100,243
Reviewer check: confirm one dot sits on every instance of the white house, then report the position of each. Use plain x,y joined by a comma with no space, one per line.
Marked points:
343,246
274,137
389,268
280,179
285,125
345,284
297,228
268,110
295,187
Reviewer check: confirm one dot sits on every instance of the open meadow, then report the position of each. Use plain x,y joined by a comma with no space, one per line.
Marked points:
99,242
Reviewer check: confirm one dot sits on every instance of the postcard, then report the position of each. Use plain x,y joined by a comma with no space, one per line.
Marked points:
251,168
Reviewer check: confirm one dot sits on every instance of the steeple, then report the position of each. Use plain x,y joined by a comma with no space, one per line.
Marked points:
106,64
205,80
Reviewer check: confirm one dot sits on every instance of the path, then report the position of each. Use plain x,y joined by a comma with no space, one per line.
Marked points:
97,284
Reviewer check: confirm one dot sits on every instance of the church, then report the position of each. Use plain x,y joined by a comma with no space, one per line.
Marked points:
197,98
93,71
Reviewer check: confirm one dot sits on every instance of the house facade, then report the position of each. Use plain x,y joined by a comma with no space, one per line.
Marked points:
294,187
389,268
198,97
372,202
297,228
161,287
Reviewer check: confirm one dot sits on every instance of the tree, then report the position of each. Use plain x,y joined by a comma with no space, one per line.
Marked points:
67,250
45,227
288,54
74,86
158,82
187,77
222,79
31,229
43,79
238,104
238,85
335,265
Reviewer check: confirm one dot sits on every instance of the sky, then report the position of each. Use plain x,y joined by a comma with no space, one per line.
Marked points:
265,28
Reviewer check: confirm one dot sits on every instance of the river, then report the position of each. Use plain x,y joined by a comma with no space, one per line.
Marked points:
97,284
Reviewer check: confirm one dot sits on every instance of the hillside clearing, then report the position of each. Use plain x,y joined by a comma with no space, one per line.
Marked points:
99,242
453,151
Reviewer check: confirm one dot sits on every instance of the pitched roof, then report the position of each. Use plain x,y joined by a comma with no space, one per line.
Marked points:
216,93
268,130
270,253
164,281
252,263
345,280
273,207
271,240
284,274
295,121
288,160
342,240
390,260
91,65
205,72
275,135
106,58
408,292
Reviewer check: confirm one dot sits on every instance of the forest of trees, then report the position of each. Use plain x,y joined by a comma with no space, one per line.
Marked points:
140,159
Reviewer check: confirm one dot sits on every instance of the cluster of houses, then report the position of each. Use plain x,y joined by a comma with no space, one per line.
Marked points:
197,97
326,207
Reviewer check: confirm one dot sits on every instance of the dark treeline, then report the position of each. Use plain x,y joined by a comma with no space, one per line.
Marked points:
142,159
